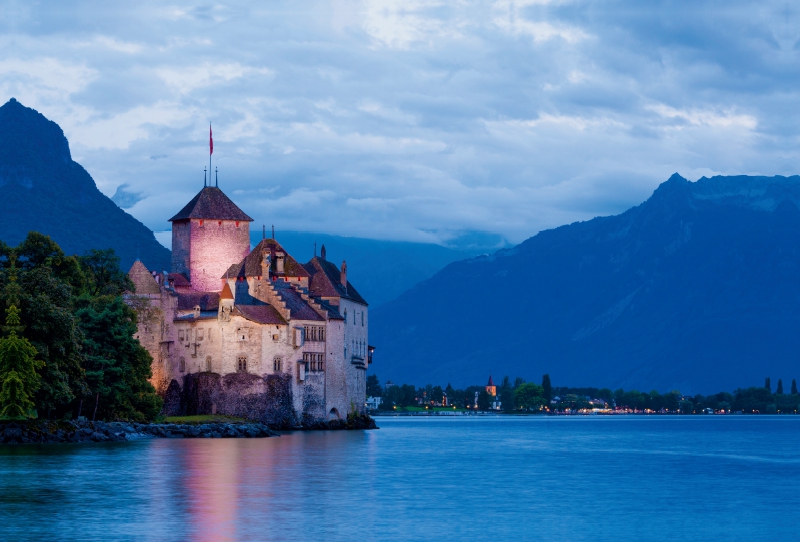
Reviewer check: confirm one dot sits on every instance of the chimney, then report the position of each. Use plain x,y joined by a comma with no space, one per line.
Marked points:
344,273
322,252
279,262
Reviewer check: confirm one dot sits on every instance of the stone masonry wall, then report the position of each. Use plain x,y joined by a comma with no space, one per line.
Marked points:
215,246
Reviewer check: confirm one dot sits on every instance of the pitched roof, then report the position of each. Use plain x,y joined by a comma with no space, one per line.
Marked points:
208,301
143,280
226,292
326,281
263,314
212,204
178,280
251,265
298,307
490,381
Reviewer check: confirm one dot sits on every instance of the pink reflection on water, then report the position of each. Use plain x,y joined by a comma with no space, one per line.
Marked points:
226,478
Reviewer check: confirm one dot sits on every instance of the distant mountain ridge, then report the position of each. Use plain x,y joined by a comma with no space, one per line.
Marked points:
697,289
45,190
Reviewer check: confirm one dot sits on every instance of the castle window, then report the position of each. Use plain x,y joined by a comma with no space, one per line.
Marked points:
182,365
208,364
362,318
276,364
200,334
219,223
180,335
201,223
241,364
243,333
345,316
237,223
276,337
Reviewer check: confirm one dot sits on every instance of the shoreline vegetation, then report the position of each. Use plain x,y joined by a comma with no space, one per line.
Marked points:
525,398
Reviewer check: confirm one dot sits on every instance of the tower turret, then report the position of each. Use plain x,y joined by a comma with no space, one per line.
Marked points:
208,235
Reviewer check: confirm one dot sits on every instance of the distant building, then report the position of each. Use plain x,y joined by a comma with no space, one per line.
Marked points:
373,403
491,389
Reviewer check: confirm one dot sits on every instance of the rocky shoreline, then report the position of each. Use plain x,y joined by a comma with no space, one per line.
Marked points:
46,431
51,431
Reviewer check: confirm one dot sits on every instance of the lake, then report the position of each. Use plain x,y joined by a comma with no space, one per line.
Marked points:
467,478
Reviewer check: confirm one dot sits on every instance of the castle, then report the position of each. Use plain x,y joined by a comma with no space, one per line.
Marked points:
250,333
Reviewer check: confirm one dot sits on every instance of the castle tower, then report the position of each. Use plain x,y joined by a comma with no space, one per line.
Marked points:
209,235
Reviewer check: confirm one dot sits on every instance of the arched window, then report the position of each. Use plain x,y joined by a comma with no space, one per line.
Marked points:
182,365
241,364
277,364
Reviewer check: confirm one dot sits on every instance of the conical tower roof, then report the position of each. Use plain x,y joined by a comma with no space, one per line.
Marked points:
211,204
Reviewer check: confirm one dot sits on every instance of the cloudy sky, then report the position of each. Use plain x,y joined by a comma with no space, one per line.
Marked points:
410,119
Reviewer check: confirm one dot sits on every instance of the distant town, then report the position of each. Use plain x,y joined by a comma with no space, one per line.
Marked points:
521,397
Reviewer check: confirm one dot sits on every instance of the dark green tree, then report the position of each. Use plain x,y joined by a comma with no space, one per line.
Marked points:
44,296
374,386
794,386
529,396
506,383
779,389
117,366
19,379
767,385
547,387
103,275
519,381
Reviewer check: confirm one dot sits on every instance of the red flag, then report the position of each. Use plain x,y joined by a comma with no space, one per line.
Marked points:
210,141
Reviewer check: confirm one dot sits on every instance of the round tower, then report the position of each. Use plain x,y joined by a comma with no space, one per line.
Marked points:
208,236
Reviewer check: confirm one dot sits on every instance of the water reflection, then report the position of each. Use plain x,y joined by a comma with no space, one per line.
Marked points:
502,479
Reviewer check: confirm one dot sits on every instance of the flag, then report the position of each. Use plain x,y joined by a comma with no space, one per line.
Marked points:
210,141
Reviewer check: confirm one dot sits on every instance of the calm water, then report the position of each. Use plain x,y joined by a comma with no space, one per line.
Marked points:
565,479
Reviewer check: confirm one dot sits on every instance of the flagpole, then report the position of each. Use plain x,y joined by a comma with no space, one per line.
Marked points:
210,148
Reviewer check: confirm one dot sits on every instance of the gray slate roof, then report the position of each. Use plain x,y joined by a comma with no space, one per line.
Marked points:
326,281
211,204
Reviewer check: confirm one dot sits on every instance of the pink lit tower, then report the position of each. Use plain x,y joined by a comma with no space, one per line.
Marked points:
208,235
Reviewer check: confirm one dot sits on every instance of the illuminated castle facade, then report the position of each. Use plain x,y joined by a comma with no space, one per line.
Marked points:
250,332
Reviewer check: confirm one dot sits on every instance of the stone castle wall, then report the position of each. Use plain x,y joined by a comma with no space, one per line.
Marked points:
215,246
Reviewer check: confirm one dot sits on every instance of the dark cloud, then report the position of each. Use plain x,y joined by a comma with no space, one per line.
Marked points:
410,119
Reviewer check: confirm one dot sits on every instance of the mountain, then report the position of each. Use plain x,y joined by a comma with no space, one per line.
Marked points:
382,270
45,190
696,289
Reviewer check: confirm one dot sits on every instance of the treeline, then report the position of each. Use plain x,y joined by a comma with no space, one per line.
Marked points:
523,396
67,347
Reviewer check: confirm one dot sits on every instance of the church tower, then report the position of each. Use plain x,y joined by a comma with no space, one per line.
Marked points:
208,235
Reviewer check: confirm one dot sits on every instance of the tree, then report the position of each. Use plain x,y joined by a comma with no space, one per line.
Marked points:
18,366
768,385
529,396
506,383
36,277
507,399
547,387
779,389
794,387
103,273
373,386
519,381
117,367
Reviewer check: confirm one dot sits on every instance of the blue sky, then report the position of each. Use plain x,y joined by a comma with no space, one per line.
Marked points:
407,119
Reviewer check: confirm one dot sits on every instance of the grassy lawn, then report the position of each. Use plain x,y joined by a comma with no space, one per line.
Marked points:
205,418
